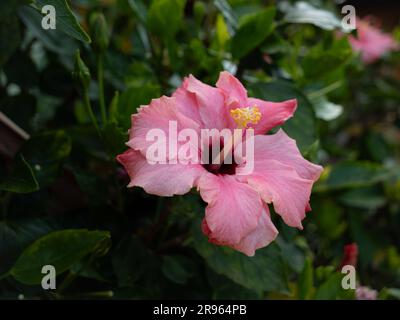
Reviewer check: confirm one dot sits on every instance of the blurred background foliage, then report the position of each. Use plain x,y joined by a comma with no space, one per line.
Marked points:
64,199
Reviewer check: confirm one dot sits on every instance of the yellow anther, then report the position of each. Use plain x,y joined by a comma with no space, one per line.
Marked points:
244,116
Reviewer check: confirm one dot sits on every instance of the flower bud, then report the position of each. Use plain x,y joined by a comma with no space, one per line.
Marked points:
81,72
99,31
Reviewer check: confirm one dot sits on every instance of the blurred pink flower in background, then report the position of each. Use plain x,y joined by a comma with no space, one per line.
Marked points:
371,42
237,214
366,293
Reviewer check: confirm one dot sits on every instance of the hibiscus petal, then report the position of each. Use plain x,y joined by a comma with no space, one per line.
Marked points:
211,103
233,90
187,102
157,115
281,147
233,210
159,179
281,185
260,237
273,113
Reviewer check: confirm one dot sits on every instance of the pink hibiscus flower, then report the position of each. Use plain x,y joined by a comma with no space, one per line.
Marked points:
371,42
237,213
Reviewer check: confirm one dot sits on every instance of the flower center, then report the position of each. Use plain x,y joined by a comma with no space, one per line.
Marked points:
245,116
222,168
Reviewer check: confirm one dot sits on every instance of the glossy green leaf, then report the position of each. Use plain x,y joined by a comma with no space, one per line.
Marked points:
173,268
65,19
253,29
165,17
46,152
114,138
390,293
132,261
306,281
224,288
227,12
331,288
304,12
22,179
364,198
352,175
263,272
324,59
291,253
53,40
326,110
60,249
330,213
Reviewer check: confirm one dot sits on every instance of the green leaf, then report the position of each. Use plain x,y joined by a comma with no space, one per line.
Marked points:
60,249
21,180
165,17
114,138
173,268
352,175
227,12
324,59
133,261
253,29
263,272
390,293
368,240
303,118
379,149
331,288
225,289
53,40
291,254
325,109
65,19
306,281
329,214
93,186
46,153
364,198
221,33
303,12
16,235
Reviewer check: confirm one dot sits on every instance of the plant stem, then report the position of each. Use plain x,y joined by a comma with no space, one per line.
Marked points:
100,80
89,110
325,90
